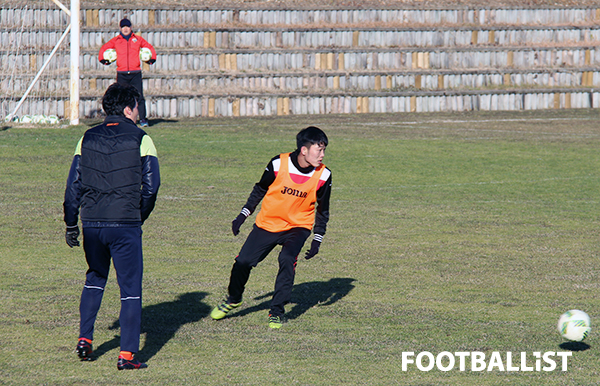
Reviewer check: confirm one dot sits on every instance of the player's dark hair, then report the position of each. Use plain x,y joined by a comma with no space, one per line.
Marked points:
119,96
311,136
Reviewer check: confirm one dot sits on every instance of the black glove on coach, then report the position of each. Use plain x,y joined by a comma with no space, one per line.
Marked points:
71,236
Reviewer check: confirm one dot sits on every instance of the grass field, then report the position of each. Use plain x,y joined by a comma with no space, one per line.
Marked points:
448,232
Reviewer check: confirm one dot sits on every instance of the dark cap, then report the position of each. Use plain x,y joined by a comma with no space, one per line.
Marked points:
125,23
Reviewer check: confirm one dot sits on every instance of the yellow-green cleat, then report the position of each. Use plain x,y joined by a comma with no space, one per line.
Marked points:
222,309
275,322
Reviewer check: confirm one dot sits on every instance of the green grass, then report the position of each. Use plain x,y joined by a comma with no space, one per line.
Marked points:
448,232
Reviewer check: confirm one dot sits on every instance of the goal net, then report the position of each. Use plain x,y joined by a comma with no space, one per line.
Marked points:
34,60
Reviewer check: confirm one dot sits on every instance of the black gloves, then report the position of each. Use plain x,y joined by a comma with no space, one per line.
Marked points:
105,62
239,220
151,61
71,236
314,247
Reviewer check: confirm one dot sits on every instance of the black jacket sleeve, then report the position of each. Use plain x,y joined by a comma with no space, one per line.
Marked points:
261,187
150,185
73,193
322,212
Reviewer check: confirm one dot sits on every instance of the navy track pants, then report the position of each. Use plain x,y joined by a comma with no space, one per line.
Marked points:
124,245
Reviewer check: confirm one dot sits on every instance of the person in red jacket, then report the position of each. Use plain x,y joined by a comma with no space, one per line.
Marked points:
129,71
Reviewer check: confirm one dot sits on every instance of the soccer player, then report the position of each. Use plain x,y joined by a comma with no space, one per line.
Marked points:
114,180
129,71
289,188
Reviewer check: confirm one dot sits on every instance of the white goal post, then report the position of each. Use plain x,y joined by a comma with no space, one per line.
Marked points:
74,73
74,81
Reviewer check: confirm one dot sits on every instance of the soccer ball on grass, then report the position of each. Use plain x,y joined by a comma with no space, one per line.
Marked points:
574,325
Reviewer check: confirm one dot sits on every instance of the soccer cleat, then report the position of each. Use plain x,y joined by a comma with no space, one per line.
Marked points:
275,321
222,309
144,123
84,350
134,364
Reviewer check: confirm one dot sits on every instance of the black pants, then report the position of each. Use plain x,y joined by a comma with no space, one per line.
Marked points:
134,78
257,246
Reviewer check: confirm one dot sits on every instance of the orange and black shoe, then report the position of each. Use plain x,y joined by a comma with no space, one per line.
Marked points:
130,364
84,349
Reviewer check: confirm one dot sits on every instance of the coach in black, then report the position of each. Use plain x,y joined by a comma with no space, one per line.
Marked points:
114,180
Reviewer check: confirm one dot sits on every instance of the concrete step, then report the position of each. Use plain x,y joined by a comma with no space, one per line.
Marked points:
203,84
156,17
279,60
342,103
338,38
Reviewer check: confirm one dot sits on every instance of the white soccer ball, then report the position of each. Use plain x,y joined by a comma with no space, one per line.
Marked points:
26,119
110,55
145,54
38,118
574,325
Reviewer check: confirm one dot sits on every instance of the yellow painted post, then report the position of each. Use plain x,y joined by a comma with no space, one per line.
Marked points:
317,61
355,36
588,59
507,79
377,82
33,63
96,17
341,64
236,107
222,65
557,100
474,37
365,104
330,59
286,106
88,18
510,58
93,84
418,81
233,62
211,107
336,82
413,104
151,17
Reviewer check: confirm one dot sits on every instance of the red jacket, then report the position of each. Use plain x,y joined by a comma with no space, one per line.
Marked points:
128,51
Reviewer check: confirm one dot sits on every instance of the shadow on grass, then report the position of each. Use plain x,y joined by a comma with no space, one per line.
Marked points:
161,321
574,346
307,295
